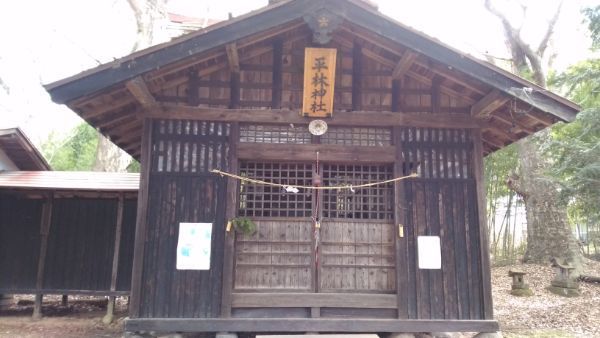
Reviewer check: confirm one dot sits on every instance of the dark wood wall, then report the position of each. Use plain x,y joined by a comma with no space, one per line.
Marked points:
181,189
442,201
19,241
79,250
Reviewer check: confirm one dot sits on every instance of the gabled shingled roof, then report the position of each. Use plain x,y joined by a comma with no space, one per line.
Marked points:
115,74
21,151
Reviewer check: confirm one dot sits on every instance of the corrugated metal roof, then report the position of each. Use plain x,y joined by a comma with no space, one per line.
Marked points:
70,180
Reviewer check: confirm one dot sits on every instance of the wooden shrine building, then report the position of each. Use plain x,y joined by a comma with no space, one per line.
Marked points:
383,101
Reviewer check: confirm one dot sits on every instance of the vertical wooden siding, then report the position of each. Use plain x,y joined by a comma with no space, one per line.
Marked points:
182,189
442,202
80,244
19,241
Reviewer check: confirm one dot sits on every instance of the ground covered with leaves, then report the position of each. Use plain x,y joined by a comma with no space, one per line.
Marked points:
545,314
541,315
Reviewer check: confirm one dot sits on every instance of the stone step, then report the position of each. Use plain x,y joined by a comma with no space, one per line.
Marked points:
320,336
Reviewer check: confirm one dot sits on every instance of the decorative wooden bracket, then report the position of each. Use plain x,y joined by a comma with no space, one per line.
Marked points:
138,88
404,64
488,104
323,23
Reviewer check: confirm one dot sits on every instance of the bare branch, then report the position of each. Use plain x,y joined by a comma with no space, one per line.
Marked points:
549,31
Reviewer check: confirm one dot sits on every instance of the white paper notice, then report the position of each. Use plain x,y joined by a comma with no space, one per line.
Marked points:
193,246
430,253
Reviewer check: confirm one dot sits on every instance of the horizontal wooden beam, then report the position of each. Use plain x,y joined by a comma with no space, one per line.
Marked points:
266,300
404,64
358,118
138,88
307,152
307,325
489,103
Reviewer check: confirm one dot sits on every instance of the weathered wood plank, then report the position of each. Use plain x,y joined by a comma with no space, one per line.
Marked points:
46,220
489,103
406,60
230,213
141,224
233,57
357,77
477,162
367,301
277,75
309,325
306,152
360,118
138,88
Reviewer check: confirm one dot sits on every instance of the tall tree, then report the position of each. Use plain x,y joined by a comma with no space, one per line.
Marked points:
150,17
548,230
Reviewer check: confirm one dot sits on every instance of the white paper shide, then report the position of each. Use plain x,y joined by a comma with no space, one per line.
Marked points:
193,246
430,253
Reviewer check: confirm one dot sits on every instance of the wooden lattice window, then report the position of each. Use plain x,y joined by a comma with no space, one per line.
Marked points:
270,133
189,147
437,153
257,200
365,203
358,136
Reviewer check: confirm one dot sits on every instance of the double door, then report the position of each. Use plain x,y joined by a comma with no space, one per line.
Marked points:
339,240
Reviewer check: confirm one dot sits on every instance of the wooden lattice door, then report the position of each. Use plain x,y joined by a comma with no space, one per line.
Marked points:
352,251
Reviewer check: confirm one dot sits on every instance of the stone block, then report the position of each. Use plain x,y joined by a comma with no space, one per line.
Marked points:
488,335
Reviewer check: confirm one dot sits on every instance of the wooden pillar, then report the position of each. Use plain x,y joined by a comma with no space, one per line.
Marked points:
140,227
357,77
400,223
230,213
110,308
277,86
193,89
65,300
44,230
478,172
396,89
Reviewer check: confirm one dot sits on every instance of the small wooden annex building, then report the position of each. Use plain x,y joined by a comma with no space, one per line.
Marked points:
404,256
67,233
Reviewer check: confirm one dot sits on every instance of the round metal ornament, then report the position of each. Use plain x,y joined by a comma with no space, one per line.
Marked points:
317,127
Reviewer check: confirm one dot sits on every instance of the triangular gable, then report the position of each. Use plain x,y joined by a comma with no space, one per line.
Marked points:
495,89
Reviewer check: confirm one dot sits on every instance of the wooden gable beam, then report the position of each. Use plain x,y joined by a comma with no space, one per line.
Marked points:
233,57
489,103
404,64
138,88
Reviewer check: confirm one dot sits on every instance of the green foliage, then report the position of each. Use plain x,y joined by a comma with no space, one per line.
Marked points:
76,152
593,19
134,166
244,225
498,166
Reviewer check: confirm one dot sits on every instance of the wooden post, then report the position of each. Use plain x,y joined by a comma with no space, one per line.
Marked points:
277,75
110,307
140,227
400,223
65,300
356,77
44,230
230,213
483,234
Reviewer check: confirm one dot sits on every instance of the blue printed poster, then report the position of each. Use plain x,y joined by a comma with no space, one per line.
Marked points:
193,246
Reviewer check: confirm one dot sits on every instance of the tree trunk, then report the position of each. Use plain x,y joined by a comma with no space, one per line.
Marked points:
109,157
548,231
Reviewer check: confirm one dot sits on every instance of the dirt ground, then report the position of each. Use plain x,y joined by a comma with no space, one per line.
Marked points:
541,315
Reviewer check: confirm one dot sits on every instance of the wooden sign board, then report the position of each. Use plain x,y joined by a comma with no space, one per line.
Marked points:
319,82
